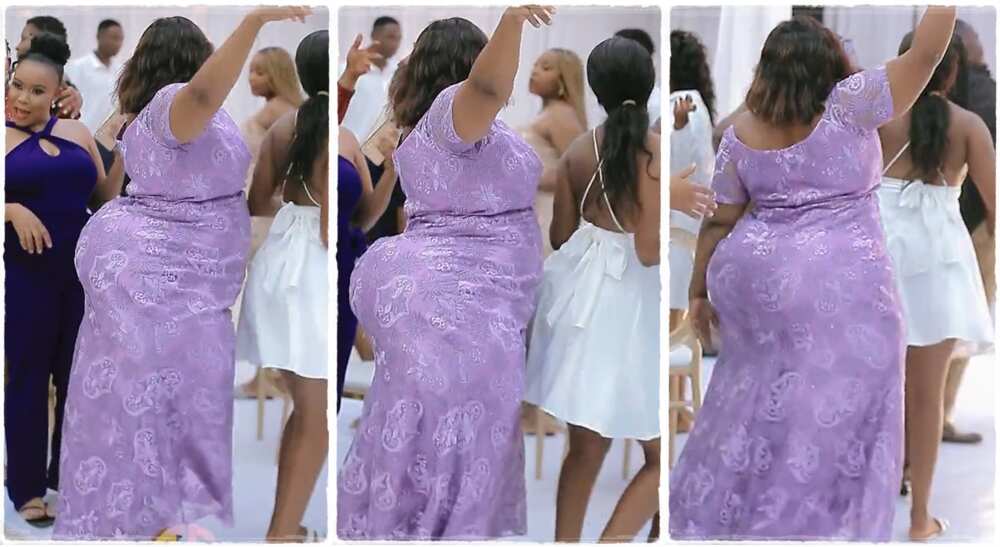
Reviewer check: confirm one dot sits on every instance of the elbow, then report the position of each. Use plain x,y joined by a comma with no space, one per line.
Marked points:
649,255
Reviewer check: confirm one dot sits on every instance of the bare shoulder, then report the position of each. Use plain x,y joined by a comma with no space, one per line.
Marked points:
348,143
73,130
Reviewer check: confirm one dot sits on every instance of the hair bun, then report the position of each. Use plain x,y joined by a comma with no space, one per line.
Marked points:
50,46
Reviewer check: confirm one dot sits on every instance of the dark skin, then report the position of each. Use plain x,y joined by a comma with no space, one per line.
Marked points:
908,74
68,100
587,448
385,42
109,43
969,148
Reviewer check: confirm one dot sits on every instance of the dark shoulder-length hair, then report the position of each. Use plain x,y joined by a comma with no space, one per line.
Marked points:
442,56
312,61
799,66
170,51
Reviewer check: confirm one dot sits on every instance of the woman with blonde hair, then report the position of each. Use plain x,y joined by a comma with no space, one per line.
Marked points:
273,77
557,77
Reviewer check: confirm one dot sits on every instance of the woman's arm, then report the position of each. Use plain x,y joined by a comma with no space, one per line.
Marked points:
909,73
374,201
647,232
713,230
565,210
269,172
491,81
982,166
196,103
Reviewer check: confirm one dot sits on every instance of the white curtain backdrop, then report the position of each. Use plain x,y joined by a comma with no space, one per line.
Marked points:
734,36
575,28
217,22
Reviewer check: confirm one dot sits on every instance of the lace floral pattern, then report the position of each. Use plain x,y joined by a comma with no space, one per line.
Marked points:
800,434
438,452
147,439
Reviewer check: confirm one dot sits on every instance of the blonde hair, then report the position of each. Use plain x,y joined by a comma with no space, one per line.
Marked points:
277,64
570,69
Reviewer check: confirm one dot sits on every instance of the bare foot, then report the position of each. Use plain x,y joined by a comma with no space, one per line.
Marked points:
927,530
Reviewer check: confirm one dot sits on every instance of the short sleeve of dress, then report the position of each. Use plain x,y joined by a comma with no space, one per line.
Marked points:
439,124
862,100
726,183
156,116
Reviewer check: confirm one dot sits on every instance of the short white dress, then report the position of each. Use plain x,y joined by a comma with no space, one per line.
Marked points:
936,268
593,350
283,321
690,145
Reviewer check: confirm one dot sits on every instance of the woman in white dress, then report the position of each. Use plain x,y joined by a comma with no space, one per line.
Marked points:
593,358
556,78
927,153
283,322
273,78
692,97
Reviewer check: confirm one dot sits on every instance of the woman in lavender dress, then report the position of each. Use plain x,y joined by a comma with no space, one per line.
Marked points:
439,450
147,440
800,435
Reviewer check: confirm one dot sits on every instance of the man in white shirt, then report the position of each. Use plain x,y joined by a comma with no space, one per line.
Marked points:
96,74
371,93
641,36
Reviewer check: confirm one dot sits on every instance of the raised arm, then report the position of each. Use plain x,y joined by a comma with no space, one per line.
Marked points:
491,80
909,73
195,104
359,62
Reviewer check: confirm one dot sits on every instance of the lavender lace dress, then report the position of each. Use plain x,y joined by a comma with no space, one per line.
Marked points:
147,439
800,435
439,452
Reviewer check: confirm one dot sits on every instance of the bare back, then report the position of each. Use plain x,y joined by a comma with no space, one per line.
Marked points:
896,134
579,166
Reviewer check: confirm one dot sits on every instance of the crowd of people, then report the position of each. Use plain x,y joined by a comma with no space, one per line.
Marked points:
846,278
470,333
130,192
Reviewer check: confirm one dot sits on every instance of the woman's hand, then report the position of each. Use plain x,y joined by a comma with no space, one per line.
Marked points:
703,318
359,61
534,14
682,108
269,14
69,102
386,145
691,198
33,235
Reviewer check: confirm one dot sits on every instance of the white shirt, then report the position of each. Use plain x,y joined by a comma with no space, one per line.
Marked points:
96,84
371,97
690,145
653,105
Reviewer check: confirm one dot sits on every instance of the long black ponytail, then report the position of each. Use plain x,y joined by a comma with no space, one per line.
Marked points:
312,123
620,72
929,116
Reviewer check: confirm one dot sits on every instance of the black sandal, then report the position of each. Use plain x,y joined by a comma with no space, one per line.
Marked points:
37,504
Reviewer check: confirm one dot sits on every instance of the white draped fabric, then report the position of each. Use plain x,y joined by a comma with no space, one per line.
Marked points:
217,22
734,36
576,29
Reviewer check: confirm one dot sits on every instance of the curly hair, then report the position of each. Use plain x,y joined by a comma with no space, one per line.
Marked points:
442,56
689,68
799,66
171,50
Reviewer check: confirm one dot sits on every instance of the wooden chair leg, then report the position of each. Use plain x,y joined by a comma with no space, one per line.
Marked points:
260,402
539,442
672,433
626,460
695,391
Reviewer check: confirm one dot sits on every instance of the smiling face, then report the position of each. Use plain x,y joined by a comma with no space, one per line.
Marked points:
545,76
260,81
32,90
